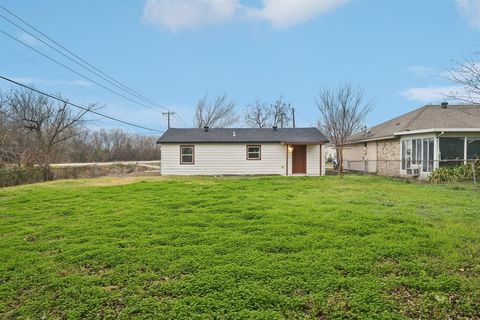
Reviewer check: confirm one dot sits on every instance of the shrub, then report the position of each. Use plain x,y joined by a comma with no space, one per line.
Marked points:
20,175
455,174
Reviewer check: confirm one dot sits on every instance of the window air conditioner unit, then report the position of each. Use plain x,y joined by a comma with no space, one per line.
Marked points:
415,170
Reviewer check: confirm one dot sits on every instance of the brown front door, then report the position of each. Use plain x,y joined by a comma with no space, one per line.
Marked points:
299,159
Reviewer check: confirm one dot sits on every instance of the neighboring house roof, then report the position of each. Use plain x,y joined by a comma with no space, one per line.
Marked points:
427,118
289,135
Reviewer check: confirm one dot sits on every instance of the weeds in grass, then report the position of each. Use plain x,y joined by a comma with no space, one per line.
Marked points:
240,248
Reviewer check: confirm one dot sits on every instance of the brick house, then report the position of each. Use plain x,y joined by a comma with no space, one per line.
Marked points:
418,142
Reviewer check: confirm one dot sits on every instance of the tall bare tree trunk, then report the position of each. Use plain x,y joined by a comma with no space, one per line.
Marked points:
340,161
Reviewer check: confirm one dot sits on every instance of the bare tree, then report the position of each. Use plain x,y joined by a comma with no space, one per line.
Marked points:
261,115
219,114
36,130
257,115
466,73
48,123
281,113
112,145
16,145
343,112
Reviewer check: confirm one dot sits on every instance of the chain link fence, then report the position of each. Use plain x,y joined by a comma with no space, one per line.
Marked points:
436,171
99,169
13,175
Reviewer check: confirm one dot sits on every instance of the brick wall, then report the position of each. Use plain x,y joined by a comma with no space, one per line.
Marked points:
388,156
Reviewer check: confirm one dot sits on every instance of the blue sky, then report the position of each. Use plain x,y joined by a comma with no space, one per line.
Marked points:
176,51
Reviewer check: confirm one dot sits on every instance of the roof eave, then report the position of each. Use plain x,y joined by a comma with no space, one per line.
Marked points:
305,142
248,141
371,139
432,130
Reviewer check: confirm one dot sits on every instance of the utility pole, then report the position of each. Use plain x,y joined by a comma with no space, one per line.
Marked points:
293,117
168,114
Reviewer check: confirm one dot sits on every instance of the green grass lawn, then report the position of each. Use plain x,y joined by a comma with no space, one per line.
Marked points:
239,248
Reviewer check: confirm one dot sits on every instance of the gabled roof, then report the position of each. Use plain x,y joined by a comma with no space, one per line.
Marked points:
298,135
424,118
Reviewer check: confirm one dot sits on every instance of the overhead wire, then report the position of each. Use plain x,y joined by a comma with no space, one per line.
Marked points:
74,71
98,74
304,118
86,65
13,52
117,83
77,105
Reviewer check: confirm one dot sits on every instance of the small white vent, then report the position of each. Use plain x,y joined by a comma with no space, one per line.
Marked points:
234,134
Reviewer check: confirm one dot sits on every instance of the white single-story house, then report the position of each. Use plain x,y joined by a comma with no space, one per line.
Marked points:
243,151
418,142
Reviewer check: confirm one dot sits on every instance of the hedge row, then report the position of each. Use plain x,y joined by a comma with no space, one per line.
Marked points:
23,175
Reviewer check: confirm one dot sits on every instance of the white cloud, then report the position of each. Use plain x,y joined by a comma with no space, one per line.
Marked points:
285,13
422,71
432,94
28,39
471,10
188,14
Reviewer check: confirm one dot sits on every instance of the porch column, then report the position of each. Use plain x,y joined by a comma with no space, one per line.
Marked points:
322,161
286,160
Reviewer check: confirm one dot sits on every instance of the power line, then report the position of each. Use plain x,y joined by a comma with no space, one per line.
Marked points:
304,118
76,72
77,105
112,80
45,67
121,87
179,120
96,71
34,62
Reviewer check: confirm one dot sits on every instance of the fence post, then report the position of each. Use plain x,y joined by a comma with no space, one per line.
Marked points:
94,169
365,166
474,175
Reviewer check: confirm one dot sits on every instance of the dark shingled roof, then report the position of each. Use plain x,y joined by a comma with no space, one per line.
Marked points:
426,117
305,135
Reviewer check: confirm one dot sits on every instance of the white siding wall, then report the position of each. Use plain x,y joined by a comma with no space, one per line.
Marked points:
224,159
230,159
324,161
313,160
372,156
353,156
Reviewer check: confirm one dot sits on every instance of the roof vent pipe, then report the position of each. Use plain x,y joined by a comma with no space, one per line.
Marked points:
205,128
234,134
444,105
275,128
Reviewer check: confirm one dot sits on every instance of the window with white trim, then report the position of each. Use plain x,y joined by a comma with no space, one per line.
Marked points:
254,152
417,154
428,147
452,151
473,148
187,154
